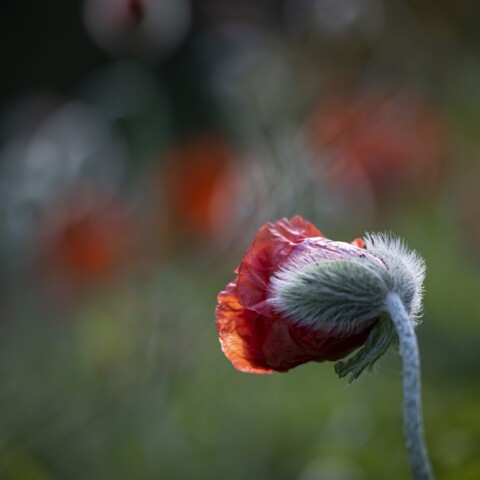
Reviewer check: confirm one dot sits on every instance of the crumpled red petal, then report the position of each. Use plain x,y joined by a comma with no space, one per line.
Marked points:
288,345
358,242
241,335
271,247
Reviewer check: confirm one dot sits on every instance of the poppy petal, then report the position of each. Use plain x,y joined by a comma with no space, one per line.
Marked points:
358,242
271,247
289,345
241,334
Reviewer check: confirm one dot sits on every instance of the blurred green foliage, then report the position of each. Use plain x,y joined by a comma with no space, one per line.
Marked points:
115,371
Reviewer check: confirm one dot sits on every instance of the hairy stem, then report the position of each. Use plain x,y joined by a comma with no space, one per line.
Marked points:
413,423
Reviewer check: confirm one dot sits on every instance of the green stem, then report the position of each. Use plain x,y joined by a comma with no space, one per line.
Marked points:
413,423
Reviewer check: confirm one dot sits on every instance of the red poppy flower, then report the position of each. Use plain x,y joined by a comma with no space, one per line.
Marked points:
257,337
389,140
201,184
86,237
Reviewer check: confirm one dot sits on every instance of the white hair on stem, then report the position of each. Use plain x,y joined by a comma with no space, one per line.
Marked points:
406,267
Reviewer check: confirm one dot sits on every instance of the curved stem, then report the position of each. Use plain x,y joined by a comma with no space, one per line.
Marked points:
412,407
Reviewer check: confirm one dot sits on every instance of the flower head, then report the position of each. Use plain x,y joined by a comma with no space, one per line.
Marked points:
300,297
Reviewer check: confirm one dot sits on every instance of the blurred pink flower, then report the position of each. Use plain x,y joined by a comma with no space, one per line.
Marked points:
148,29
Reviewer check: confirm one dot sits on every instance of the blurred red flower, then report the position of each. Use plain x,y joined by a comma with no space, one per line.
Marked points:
394,140
201,184
254,336
86,237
